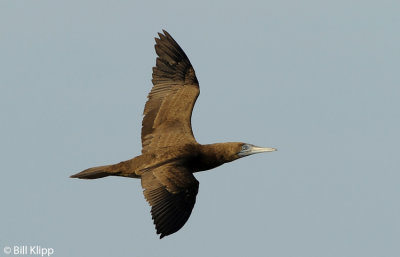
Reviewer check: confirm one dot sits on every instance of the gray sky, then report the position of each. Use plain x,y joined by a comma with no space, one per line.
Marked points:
319,80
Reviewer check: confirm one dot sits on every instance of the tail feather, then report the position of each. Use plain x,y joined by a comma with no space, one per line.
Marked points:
92,173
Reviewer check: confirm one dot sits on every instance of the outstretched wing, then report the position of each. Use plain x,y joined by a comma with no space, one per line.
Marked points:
168,110
171,191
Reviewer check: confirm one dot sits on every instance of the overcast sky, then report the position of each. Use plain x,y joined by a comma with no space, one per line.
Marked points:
319,80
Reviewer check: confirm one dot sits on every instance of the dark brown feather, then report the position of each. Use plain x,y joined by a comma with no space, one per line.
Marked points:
171,191
168,111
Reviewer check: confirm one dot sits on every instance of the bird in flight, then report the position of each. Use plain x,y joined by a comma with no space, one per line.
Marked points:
170,153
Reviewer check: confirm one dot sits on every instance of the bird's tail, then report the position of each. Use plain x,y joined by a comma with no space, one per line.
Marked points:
95,172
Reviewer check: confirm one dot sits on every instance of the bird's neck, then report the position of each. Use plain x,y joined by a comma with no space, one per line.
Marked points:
214,155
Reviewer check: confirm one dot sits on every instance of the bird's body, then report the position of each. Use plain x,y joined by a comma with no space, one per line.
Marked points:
196,157
170,153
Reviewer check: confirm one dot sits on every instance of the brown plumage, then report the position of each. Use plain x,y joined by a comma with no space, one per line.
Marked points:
170,153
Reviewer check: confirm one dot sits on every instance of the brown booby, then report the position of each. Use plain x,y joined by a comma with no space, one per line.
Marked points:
170,153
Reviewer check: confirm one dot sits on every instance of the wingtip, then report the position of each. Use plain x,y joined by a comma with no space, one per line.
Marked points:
163,34
160,36
166,33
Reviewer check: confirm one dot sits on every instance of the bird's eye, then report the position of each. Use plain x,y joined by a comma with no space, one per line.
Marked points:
245,147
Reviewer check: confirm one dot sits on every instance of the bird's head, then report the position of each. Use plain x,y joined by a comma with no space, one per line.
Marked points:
244,149
214,155
235,150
